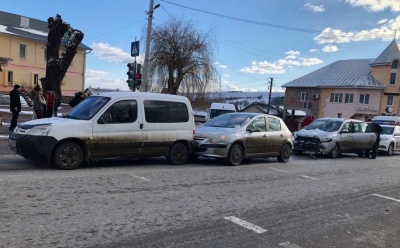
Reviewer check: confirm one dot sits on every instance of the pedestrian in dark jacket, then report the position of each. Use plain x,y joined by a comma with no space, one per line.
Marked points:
377,129
15,105
79,96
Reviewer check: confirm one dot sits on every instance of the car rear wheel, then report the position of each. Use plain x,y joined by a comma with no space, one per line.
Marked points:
178,154
390,149
285,153
235,155
68,156
335,152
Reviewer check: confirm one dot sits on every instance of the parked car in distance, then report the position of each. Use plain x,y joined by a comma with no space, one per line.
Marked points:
106,125
333,136
217,108
235,136
390,139
387,120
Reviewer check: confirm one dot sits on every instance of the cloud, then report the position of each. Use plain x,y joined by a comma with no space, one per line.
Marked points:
314,8
105,51
330,48
313,50
384,32
99,79
280,66
382,21
376,5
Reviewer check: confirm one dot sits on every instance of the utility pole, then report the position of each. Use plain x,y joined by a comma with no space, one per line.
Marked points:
148,39
270,92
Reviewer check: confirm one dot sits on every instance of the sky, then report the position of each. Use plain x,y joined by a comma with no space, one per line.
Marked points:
253,42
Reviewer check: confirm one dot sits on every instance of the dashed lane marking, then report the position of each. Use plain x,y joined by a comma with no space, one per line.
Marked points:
143,178
287,244
308,177
279,169
245,224
387,197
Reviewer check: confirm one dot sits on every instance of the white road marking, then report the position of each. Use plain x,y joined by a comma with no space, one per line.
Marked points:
3,136
245,224
387,197
143,178
308,177
279,169
287,244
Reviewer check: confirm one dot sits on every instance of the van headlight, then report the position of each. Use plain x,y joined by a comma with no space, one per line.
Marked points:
42,130
325,138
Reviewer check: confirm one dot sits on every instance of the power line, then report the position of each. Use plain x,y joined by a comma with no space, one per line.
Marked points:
273,25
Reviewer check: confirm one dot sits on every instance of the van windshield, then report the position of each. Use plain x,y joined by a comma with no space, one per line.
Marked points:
216,112
86,109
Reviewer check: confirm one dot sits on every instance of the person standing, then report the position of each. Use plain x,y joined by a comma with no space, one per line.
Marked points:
39,105
377,129
15,105
79,96
50,102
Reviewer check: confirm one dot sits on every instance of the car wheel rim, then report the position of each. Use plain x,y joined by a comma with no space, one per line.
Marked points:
286,152
237,155
179,154
390,150
69,156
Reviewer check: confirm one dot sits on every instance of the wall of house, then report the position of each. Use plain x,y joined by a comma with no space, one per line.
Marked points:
252,109
350,110
382,73
310,104
24,68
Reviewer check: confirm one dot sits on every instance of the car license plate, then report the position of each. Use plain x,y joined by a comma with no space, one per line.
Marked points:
12,143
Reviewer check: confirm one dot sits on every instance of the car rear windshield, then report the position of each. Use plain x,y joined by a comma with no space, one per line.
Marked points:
229,120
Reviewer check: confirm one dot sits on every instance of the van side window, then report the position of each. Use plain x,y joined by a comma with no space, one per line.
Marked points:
121,112
165,112
273,124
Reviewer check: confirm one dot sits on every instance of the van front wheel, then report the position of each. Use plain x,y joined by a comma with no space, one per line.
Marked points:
68,156
178,154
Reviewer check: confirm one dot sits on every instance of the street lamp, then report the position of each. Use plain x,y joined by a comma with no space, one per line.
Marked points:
148,38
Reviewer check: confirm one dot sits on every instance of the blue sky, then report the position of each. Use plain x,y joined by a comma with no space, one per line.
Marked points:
252,40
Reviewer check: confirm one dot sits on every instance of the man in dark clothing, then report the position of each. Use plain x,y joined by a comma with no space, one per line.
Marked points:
79,96
377,129
15,106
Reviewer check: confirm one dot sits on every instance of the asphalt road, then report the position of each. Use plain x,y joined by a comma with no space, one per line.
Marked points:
344,202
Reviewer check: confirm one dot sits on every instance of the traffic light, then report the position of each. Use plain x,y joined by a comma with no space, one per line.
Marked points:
131,74
138,80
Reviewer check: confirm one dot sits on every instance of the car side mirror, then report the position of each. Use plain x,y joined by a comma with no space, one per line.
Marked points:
101,120
254,129
345,130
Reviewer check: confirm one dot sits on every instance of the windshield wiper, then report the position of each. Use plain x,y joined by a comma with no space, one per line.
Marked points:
70,117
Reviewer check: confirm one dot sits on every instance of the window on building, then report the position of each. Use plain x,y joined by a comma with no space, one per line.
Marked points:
336,97
393,71
22,51
364,99
10,78
390,100
35,79
348,98
302,96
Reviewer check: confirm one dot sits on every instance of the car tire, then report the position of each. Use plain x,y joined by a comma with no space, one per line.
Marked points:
178,154
68,156
390,149
285,153
235,155
335,152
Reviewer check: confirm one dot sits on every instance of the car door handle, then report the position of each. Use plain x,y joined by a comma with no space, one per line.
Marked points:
281,134
141,126
265,136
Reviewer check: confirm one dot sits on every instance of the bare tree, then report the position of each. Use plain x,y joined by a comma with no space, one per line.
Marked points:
181,59
57,66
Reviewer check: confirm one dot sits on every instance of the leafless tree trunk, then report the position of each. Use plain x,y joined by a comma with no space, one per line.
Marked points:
57,66
182,56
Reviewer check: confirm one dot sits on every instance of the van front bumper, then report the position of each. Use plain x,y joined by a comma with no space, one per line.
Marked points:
37,148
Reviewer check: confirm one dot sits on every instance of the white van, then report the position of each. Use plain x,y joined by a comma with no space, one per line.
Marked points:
114,124
217,108
386,120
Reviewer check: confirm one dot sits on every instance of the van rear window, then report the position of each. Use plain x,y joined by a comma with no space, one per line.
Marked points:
165,112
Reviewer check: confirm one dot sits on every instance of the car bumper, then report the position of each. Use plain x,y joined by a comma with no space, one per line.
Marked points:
37,148
219,150
384,145
306,146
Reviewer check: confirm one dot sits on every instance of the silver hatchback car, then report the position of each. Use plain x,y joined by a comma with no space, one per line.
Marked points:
236,136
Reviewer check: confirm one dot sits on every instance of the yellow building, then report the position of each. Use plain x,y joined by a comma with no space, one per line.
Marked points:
23,55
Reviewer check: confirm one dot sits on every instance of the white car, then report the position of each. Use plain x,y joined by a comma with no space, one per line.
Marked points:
390,139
